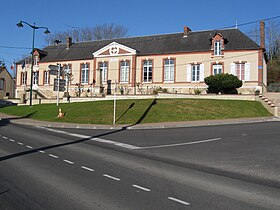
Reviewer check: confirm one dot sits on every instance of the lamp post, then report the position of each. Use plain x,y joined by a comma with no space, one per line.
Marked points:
34,27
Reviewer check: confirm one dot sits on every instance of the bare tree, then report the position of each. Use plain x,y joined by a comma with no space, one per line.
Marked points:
98,32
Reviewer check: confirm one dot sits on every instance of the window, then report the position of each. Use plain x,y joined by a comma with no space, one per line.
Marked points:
2,84
36,60
67,70
85,71
217,48
147,71
46,77
217,69
240,70
195,72
103,71
124,74
35,77
23,78
169,70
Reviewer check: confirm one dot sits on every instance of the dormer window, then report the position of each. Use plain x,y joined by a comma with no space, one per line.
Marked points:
36,60
218,44
217,48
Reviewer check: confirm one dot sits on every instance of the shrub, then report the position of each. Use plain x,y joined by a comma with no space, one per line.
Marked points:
223,83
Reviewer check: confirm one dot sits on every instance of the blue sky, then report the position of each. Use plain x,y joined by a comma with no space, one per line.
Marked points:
143,17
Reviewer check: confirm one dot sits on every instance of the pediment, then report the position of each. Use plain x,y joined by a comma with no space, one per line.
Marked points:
114,49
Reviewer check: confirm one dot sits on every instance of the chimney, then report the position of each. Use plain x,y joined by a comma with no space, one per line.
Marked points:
262,35
187,30
68,42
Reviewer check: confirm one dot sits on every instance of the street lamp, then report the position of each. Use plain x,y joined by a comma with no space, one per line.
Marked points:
20,25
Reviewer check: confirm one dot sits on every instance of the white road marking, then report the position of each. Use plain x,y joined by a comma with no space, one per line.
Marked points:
111,177
4,137
127,146
179,201
20,143
12,140
68,161
29,147
86,168
141,188
180,144
41,151
78,135
54,156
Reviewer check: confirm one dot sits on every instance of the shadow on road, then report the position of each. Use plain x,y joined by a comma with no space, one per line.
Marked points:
7,121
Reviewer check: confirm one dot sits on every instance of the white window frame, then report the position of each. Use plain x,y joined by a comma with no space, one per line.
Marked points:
103,71
238,71
195,70
84,73
169,69
217,48
217,67
124,71
46,77
36,60
67,69
148,71
23,78
35,77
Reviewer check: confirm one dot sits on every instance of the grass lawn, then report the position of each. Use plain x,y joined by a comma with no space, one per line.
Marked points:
142,111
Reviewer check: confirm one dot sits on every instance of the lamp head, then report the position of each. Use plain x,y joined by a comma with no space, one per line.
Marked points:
47,31
20,25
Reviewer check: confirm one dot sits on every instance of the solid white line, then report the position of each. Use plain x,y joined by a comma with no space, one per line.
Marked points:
141,188
4,137
127,146
86,168
78,135
111,177
54,156
12,140
41,151
67,161
20,143
29,147
180,144
179,201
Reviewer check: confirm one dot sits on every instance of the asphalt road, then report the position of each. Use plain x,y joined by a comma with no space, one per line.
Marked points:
215,167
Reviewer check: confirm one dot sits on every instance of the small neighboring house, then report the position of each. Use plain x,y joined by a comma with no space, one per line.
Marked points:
7,84
176,62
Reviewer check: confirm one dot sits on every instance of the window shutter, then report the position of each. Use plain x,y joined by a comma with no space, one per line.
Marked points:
201,76
247,71
189,73
232,69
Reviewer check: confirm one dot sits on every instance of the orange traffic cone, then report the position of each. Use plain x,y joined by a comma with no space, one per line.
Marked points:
60,114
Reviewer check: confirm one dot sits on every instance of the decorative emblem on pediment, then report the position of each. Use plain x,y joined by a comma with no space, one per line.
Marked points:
114,50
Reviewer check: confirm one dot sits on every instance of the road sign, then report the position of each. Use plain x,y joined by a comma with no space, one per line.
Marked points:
62,83
53,67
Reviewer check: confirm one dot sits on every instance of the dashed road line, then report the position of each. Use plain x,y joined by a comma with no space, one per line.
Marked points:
54,156
68,161
179,201
111,177
4,137
86,168
12,140
20,143
41,151
29,147
141,188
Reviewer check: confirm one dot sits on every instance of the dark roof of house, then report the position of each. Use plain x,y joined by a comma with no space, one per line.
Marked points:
155,44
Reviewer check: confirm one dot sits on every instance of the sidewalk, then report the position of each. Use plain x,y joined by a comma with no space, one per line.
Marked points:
27,121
